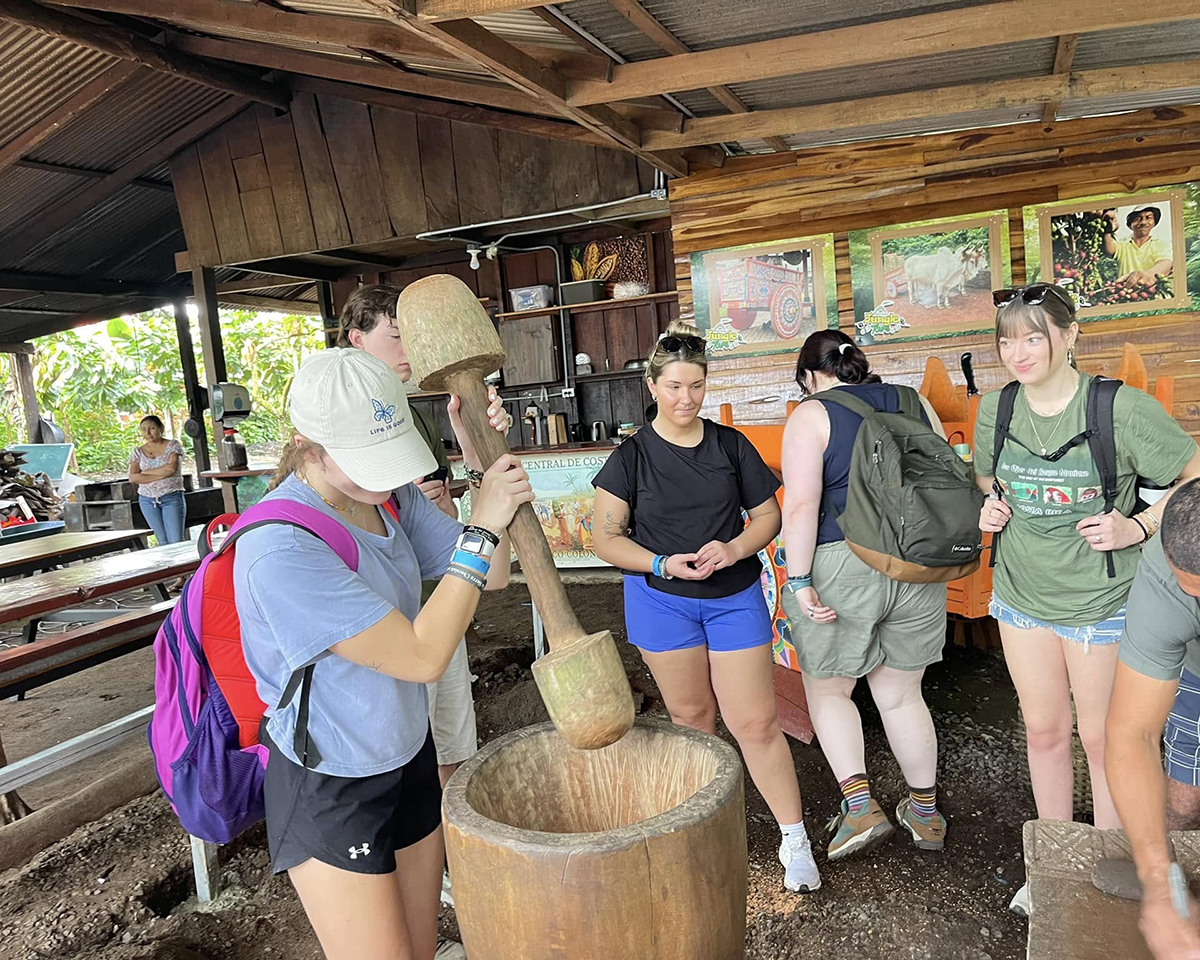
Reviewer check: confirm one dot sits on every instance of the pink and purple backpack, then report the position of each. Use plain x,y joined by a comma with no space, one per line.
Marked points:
207,712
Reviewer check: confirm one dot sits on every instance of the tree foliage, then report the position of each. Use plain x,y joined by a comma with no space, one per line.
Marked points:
98,382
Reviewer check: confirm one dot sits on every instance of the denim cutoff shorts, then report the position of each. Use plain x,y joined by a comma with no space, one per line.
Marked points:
1102,633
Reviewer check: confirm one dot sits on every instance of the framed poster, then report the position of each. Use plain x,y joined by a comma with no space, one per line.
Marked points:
931,279
1117,255
764,298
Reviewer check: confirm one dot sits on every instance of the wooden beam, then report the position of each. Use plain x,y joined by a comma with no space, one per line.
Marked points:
925,35
459,9
57,118
85,174
51,283
56,218
191,385
275,304
1064,57
17,348
333,33
29,403
288,267
131,46
925,104
468,41
212,347
260,283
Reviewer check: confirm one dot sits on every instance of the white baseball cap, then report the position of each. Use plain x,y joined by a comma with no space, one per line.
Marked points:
354,406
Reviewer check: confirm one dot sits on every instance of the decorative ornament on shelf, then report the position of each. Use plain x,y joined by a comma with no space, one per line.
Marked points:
626,289
587,264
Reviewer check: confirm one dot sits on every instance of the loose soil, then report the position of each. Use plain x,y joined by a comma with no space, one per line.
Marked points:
119,888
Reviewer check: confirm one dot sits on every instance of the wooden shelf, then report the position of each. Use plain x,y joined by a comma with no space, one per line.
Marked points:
610,375
592,305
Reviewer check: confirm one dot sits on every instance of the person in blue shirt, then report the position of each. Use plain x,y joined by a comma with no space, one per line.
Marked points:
356,821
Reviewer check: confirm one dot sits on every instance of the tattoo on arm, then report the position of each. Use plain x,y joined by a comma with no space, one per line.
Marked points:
612,527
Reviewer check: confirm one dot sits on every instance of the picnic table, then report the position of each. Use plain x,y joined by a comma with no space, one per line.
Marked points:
30,556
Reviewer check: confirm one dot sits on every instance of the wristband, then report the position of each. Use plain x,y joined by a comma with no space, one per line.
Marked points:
799,583
484,532
474,543
471,578
474,477
470,561
1145,532
660,567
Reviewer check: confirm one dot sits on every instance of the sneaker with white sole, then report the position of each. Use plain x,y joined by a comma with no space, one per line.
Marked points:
1020,904
800,869
858,832
449,950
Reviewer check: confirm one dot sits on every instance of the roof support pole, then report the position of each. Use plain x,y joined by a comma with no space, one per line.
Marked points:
191,387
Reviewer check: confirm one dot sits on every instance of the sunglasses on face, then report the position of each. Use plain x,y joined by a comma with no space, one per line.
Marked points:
1032,295
675,344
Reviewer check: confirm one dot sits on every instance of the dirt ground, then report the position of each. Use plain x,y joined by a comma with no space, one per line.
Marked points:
119,889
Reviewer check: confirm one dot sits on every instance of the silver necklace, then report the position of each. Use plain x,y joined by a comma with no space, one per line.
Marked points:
352,510
1054,429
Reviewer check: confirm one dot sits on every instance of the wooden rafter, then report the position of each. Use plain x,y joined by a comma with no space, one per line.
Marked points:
925,35
260,283
56,119
18,243
647,23
80,286
944,102
85,174
468,41
461,9
268,303
333,33
1064,57
127,45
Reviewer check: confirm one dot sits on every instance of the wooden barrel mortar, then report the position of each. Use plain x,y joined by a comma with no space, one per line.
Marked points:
635,850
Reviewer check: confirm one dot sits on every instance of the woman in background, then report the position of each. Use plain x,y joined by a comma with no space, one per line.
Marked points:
155,468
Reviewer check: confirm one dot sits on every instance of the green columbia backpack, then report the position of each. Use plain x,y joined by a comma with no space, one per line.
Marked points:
912,506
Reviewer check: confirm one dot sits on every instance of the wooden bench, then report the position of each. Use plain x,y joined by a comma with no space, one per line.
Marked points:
34,664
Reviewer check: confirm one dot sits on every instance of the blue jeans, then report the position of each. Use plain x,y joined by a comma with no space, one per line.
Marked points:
165,515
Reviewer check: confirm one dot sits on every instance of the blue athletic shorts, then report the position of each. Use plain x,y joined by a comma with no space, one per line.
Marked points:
659,622
1181,739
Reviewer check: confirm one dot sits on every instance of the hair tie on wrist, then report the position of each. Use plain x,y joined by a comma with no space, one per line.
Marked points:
842,348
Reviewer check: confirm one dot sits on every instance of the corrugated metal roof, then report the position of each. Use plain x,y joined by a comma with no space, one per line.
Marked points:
1099,106
149,108
1123,48
962,121
39,73
601,20
23,192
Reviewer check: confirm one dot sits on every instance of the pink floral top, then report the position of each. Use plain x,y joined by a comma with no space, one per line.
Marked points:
159,488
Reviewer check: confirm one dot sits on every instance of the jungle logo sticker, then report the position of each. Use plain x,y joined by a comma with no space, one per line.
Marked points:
1084,494
1059,495
880,322
1030,492
719,340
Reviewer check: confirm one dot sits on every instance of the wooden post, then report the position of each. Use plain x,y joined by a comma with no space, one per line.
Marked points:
12,807
328,314
191,387
24,364
207,869
204,285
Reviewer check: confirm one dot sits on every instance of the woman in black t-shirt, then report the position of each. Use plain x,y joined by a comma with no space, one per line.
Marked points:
668,511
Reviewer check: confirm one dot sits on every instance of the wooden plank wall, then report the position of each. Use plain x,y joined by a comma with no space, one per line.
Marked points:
332,172
857,186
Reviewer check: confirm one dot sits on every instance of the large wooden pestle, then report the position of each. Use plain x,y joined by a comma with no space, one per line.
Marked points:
451,345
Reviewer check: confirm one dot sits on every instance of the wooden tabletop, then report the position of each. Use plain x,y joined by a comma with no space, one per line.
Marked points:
238,474
55,589
65,547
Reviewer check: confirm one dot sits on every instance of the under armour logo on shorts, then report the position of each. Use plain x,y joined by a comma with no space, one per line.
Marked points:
364,850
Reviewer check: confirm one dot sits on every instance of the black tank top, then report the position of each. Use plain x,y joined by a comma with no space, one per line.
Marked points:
843,428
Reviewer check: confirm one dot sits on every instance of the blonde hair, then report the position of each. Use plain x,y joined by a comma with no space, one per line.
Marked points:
659,358
293,456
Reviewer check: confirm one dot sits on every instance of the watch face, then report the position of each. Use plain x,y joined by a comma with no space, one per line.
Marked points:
472,543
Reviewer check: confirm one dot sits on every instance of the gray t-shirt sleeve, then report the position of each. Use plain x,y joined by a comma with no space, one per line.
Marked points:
334,604
432,533
1160,619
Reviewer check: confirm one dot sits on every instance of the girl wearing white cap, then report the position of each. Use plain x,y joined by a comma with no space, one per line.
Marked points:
356,820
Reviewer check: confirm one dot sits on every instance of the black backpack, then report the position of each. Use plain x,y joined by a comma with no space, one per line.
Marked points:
1098,433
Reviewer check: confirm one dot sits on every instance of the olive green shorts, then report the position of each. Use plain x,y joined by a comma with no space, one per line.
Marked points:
879,620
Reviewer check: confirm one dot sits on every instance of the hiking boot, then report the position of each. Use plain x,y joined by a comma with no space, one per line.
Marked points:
926,834
858,832
800,869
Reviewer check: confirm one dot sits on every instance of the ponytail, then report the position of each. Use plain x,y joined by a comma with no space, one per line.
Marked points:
833,353
293,456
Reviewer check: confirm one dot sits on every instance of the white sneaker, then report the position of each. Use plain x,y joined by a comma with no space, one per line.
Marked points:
1020,903
447,895
800,869
449,950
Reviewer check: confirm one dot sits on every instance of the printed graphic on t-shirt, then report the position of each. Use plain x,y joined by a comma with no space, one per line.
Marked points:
1056,495
1022,491
1084,494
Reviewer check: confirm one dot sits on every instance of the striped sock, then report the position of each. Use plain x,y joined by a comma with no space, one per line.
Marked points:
924,801
857,792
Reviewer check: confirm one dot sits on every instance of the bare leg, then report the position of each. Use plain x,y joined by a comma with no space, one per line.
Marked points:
745,690
445,772
686,687
907,722
1092,676
1038,669
419,877
837,724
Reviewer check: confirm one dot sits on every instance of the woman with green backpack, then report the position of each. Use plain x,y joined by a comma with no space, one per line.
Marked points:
1061,466
848,619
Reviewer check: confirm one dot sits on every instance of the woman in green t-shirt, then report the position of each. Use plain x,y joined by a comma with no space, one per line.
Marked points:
1059,604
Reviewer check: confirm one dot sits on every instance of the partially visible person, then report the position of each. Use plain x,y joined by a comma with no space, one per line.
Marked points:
155,468
353,805
669,510
1142,258
848,620
368,322
1157,686
1060,613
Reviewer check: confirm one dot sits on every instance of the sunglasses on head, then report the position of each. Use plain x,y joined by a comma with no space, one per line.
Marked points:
674,344
1032,295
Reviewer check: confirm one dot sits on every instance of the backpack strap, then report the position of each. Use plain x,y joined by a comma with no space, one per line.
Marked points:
1004,414
910,402
844,398
1103,445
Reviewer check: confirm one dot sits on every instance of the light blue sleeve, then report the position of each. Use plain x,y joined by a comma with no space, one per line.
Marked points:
432,533
302,592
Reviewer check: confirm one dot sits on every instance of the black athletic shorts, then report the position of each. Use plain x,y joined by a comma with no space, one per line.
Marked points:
353,823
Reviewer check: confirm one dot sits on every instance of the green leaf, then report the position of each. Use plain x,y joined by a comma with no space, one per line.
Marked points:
117,327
